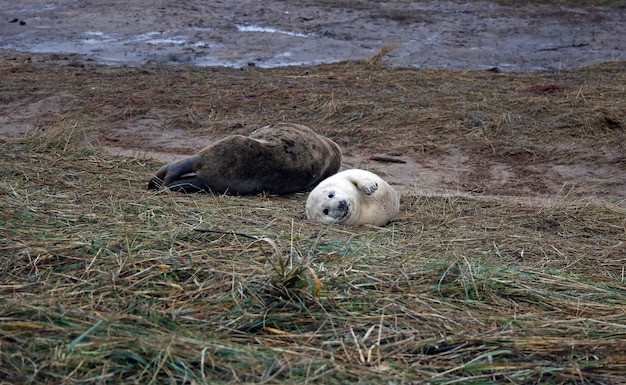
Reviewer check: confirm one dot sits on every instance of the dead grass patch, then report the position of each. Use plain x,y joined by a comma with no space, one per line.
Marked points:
106,282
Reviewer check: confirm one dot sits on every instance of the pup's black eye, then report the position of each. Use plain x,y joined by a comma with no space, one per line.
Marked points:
331,195
325,211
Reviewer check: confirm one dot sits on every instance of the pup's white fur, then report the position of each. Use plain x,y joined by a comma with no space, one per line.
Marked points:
353,197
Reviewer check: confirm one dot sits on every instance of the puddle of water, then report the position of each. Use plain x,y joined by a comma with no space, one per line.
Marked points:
27,8
256,28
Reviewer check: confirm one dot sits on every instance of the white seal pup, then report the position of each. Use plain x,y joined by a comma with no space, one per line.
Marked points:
280,158
353,197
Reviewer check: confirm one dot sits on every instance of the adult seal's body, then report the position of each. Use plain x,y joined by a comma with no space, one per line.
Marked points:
279,158
353,197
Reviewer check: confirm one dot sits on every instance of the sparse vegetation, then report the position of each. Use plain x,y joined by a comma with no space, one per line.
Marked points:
103,281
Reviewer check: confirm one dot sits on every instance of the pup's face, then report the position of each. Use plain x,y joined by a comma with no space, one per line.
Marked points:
328,206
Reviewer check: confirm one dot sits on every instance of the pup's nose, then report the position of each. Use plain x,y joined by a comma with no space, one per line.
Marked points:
343,205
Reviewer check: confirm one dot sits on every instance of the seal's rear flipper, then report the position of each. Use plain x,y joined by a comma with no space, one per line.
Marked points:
155,183
171,172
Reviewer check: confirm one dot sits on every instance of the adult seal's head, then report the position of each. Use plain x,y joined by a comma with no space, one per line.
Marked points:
279,158
353,197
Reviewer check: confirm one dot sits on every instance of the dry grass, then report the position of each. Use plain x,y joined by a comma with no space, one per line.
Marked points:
105,282
353,102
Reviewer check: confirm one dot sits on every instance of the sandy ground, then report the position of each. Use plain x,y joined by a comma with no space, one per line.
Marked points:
441,34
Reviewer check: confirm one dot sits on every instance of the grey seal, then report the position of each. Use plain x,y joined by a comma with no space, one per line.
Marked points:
279,158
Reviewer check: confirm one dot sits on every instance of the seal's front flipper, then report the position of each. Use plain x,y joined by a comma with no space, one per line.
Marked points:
189,184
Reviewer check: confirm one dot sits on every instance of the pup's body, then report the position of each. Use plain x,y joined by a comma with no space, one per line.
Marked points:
353,197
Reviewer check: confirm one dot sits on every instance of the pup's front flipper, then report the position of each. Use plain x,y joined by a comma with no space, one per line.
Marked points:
367,185
170,173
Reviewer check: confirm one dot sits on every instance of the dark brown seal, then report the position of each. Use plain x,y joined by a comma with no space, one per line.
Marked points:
280,158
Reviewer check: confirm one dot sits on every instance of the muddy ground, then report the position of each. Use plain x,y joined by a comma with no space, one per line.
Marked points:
496,155
509,35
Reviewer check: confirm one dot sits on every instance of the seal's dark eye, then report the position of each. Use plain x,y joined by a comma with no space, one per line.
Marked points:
331,195
325,211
